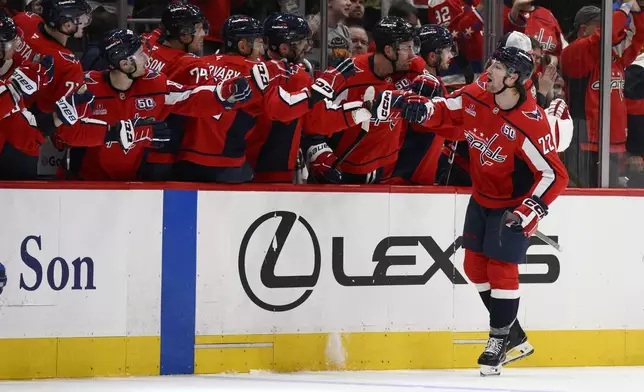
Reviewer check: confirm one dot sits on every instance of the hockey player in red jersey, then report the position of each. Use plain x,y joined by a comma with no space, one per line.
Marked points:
184,27
393,66
62,19
127,96
442,12
214,148
17,82
420,151
514,166
183,31
274,143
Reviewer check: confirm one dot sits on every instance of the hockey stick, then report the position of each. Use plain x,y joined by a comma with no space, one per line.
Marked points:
509,216
369,96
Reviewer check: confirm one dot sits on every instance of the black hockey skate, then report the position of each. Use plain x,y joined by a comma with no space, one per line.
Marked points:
491,361
518,345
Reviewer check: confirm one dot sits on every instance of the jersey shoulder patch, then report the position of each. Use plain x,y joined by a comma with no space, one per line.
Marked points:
68,56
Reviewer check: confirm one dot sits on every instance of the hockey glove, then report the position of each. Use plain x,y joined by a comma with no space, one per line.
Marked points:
31,77
331,81
233,91
128,132
531,211
3,277
271,73
561,125
66,108
417,109
388,104
427,85
321,160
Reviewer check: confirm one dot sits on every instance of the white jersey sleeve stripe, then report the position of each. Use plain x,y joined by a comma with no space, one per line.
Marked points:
292,99
548,175
174,97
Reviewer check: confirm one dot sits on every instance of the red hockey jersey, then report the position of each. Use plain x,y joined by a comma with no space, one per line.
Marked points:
542,25
580,67
442,12
185,69
512,154
68,73
152,95
379,148
27,25
417,161
467,27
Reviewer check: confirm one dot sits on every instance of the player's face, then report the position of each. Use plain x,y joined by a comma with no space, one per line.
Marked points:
137,63
257,48
406,52
447,54
496,74
197,40
296,50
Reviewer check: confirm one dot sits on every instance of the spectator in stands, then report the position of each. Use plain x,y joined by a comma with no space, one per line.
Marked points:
338,35
541,24
403,9
356,13
544,74
359,40
580,65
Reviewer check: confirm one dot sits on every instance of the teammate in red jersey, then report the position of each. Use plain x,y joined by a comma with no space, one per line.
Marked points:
273,145
393,66
17,82
127,95
184,28
420,150
62,19
214,150
514,166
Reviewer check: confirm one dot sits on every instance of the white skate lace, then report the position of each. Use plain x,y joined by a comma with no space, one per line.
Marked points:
494,345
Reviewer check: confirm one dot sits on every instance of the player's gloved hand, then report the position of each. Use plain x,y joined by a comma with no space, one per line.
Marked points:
530,212
31,77
232,91
66,108
388,104
129,132
332,80
321,159
3,277
561,125
417,109
427,85
272,73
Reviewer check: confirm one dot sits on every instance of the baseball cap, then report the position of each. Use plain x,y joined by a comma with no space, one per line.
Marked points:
587,14
517,40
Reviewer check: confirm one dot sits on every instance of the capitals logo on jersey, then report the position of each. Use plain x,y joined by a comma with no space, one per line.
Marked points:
533,115
488,156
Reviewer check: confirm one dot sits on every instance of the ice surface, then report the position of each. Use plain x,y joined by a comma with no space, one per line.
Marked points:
606,379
